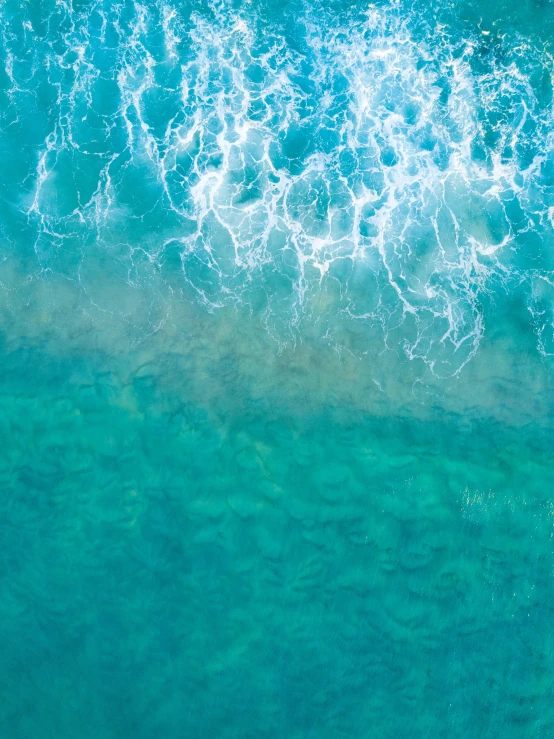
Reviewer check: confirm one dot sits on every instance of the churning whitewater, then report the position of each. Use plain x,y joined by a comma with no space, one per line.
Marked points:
385,171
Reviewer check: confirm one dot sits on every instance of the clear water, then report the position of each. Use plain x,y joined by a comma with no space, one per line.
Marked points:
277,411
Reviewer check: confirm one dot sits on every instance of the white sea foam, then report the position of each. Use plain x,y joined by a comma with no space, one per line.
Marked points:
378,172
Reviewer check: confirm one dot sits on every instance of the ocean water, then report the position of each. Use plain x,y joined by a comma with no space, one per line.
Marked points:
277,387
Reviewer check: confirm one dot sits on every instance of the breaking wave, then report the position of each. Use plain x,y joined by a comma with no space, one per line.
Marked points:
385,173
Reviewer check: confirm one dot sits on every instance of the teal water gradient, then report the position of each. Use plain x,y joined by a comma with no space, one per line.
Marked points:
277,410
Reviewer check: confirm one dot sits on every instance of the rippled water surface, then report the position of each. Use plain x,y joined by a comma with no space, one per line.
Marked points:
276,339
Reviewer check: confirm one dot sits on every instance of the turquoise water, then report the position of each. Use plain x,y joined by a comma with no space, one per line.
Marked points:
277,389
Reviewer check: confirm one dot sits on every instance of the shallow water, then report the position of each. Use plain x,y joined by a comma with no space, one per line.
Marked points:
277,327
